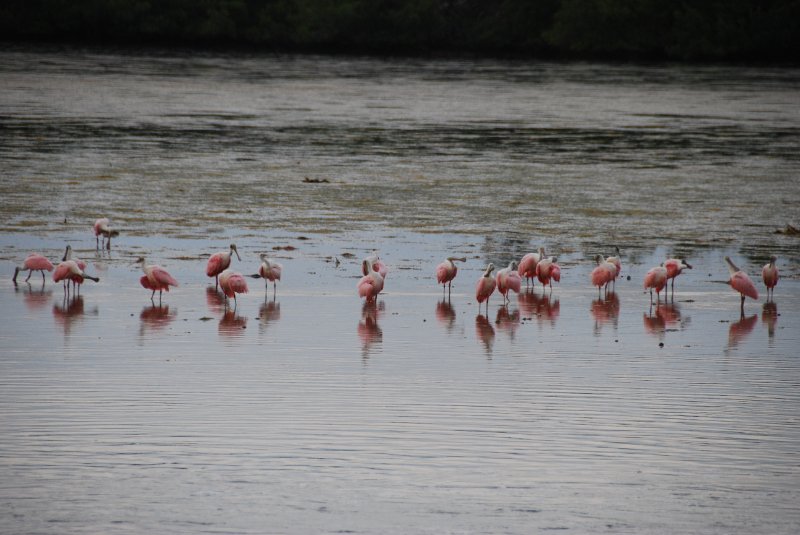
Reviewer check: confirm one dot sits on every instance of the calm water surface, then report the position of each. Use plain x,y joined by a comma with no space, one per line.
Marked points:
311,412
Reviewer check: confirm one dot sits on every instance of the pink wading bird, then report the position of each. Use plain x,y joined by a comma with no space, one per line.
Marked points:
68,270
548,271
508,279
447,271
769,274
675,267
81,264
603,273
270,271
371,284
485,288
527,266
219,262
656,278
33,262
101,228
615,260
232,283
376,264
155,278
740,282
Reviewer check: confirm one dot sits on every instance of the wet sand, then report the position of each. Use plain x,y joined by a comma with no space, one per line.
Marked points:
312,412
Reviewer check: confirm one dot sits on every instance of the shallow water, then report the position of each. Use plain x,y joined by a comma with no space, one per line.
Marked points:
310,412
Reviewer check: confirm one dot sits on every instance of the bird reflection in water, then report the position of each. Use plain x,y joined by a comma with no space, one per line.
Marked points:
368,330
153,319
69,312
663,318
446,314
35,297
485,333
739,330
268,312
506,321
605,310
231,323
769,317
544,307
215,300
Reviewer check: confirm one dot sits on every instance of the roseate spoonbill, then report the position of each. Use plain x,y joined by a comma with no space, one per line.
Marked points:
547,271
769,274
219,262
270,271
740,282
68,255
656,279
508,279
371,284
485,287
447,271
675,267
155,278
527,266
33,262
617,265
603,273
102,228
376,264
68,270
232,283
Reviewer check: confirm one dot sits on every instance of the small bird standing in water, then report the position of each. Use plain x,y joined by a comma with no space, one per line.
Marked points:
656,279
33,262
740,282
603,273
67,271
270,271
675,267
219,262
485,287
508,279
447,271
371,284
769,274
547,271
155,278
102,229
232,283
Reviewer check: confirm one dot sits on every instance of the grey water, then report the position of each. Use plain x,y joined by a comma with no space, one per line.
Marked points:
309,411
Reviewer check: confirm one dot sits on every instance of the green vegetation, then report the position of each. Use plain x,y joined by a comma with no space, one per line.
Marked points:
757,30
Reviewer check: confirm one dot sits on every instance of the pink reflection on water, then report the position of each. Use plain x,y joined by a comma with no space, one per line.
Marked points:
604,311
368,329
484,332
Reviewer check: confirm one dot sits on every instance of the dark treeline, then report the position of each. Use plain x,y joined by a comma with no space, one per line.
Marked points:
749,30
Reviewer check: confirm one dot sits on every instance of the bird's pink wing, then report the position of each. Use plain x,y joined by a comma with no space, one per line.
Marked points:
442,273
237,283
145,282
61,272
366,287
600,276
742,284
162,277
215,266
37,261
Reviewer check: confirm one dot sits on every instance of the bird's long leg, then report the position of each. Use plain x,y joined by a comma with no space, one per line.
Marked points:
742,306
42,272
274,290
152,295
216,282
30,272
160,293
